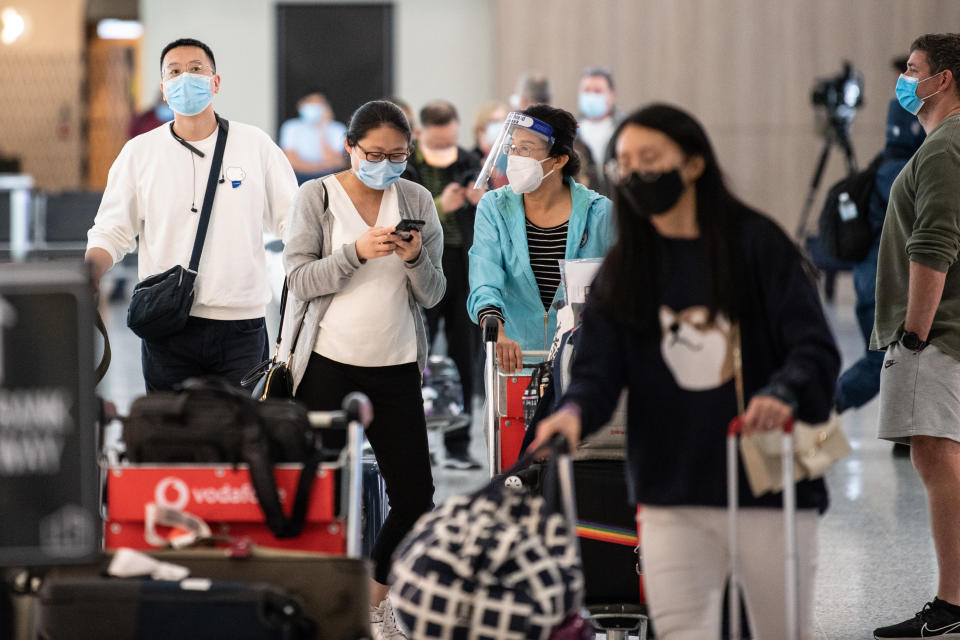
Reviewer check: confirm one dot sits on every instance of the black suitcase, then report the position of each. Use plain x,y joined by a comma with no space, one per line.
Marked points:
609,568
332,591
375,504
197,608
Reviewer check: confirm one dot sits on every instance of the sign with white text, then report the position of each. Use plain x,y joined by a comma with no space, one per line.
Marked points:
48,464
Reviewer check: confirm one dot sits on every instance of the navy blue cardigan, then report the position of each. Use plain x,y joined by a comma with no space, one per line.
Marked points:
676,437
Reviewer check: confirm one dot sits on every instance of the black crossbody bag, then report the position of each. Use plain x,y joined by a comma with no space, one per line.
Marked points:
161,304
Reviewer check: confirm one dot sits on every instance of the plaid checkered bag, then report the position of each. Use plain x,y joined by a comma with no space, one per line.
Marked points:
495,565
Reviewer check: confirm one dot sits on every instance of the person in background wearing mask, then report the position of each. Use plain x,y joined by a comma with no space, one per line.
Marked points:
522,230
860,383
150,119
357,287
599,117
918,317
486,128
448,172
313,140
155,190
691,267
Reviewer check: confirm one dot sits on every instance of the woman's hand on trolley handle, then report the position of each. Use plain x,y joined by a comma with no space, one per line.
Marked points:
509,354
765,413
565,421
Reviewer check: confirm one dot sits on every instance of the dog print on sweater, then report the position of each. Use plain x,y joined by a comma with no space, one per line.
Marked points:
697,352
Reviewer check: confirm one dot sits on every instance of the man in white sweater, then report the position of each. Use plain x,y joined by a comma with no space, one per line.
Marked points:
155,190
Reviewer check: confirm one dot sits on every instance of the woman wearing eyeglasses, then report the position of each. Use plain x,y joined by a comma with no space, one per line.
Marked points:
522,230
358,285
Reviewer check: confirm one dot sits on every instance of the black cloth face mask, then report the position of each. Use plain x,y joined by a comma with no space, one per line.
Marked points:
647,197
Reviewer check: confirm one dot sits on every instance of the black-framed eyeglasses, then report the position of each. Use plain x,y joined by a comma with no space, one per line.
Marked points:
379,156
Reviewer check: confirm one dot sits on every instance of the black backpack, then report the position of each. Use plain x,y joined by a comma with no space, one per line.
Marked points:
842,235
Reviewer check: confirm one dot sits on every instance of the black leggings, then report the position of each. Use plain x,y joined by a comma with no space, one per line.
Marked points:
398,435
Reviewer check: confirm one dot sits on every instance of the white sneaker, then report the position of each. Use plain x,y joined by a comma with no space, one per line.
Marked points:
387,628
376,621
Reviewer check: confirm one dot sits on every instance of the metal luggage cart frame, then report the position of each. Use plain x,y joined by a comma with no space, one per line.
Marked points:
495,390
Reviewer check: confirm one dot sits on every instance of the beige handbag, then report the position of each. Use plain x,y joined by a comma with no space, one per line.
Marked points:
816,447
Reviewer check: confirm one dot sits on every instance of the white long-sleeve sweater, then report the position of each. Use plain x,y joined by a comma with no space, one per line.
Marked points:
151,188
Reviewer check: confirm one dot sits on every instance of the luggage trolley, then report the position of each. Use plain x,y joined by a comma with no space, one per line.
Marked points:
279,589
503,415
220,494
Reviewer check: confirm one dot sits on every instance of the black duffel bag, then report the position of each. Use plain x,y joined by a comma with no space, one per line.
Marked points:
160,305
211,422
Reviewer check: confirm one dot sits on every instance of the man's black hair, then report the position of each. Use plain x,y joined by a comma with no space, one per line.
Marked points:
189,42
599,72
438,113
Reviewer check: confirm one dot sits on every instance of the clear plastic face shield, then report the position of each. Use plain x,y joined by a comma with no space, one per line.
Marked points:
520,135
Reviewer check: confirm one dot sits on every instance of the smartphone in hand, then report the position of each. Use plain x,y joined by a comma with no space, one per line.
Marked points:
405,226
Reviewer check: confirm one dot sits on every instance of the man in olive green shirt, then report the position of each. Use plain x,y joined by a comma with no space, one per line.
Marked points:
918,316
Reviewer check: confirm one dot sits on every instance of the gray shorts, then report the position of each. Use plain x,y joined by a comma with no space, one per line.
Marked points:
919,394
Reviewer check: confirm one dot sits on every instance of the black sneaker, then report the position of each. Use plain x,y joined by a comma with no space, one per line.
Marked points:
934,621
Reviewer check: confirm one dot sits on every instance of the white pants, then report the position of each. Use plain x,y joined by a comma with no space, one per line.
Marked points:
686,562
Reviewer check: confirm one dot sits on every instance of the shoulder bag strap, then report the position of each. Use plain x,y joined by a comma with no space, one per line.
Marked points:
296,335
737,366
222,126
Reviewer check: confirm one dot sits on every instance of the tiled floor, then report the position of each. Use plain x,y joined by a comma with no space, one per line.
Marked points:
876,559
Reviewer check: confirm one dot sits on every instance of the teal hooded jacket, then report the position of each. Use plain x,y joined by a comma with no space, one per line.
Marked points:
500,272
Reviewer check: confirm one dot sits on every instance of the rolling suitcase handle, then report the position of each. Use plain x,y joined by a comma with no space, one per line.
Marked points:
491,329
357,414
791,589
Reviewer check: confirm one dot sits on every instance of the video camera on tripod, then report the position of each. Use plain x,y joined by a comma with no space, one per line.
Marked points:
839,97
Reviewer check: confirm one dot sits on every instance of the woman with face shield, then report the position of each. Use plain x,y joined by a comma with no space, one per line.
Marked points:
522,230
360,270
697,287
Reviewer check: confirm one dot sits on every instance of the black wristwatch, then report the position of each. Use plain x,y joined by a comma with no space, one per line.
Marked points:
912,341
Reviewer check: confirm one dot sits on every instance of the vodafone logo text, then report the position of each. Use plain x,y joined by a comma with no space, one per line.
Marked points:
173,492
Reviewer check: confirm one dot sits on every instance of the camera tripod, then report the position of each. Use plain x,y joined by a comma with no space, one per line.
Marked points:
838,133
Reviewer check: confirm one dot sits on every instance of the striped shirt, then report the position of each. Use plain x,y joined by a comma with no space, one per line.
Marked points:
547,247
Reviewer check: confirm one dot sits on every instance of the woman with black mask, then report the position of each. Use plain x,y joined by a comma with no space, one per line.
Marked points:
692,268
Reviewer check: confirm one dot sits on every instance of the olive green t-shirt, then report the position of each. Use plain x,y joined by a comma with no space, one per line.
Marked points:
922,225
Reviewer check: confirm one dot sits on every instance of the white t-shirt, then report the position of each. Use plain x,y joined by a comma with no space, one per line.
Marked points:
596,134
369,322
150,189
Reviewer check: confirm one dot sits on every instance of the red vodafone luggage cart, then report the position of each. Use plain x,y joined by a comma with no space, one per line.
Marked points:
222,496
791,590
285,594
503,417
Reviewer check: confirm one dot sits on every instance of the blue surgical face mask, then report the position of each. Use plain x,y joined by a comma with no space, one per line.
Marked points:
163,112
592,105
379,175
906,91
311,112
189,93
493,130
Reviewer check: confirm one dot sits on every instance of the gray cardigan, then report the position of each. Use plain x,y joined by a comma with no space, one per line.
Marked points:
316,272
